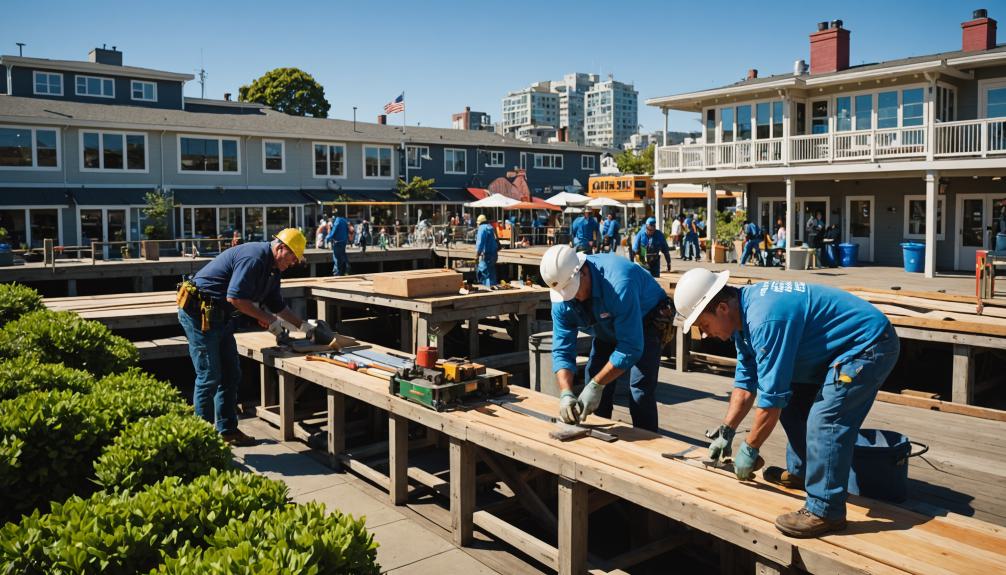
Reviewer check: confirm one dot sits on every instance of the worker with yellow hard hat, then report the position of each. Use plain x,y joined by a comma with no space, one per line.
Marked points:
245,280
487,247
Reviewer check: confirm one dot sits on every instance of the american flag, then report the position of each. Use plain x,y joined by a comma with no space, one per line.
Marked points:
395,106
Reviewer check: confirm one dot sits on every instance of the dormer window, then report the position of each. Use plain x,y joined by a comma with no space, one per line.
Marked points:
48,83
143,91
95,86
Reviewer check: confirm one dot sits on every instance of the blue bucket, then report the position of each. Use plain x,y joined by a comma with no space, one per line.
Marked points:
848,255
915,257
1001,242
880,464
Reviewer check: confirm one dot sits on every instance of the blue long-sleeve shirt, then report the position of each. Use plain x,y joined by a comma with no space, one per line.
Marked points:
621,294
583,230
486,244
610,229
339,231
793,332
656,243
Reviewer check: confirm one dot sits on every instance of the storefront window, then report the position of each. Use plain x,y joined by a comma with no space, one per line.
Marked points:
254,220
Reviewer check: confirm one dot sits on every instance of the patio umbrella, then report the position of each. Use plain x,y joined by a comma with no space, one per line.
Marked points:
605,203
565,199
493,201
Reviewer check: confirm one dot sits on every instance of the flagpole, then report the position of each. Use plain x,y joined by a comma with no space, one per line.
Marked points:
403,112
405,146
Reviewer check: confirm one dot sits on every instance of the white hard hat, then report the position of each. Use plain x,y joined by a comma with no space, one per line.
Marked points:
560,268
694,291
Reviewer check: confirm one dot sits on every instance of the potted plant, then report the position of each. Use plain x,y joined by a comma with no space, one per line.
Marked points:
156,212
6,255
728,227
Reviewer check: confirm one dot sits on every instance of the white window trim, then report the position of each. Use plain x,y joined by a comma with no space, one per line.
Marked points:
328,163
491,164
541,156
34,83
420,152
282,156
34,149
462,150
593,162
132,87
983,87
77,91
27,219
101,152
391,157
941,210
220,155
523,160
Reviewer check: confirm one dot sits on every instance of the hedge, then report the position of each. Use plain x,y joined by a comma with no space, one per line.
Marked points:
17,300
132,395
296,539
153,448
130,533
23,374
63,337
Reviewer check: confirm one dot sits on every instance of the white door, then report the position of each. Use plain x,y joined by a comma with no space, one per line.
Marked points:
859,225
977,225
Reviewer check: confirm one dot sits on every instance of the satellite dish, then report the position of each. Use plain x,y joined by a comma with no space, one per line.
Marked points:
333,185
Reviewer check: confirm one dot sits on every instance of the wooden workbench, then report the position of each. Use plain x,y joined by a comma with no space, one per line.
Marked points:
881,538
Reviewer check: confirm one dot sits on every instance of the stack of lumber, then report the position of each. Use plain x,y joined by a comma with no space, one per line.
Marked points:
417,283
937,311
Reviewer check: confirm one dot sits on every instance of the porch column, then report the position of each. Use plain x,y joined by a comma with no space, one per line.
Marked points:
786,127
658,208
790,219
711,219
932,181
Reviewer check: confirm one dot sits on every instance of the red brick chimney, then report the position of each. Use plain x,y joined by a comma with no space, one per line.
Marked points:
829,48
979,33
563,137
382,119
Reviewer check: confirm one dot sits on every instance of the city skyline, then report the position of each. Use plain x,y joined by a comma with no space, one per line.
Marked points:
662,51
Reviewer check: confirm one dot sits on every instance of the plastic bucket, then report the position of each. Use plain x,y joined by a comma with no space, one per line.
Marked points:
798,258
1001,242
539,346
848,255
914,257
880,464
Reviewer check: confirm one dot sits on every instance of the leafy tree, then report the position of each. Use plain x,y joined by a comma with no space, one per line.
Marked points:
416,190
156,212
630,162
288,90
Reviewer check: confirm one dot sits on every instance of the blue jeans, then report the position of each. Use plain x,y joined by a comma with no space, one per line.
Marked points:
654,266
214,356
485,273
340,262
751,249
642,379
823,421
692,247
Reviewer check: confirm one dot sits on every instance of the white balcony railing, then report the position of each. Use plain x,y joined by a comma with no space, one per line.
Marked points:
971,138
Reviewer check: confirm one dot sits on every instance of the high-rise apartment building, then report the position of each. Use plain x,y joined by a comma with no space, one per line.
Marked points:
469,120
611,114
543,109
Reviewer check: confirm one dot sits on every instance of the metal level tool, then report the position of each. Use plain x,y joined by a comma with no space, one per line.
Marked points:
724,464
563,431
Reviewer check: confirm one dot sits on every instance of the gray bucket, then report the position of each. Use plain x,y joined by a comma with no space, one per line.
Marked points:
540,360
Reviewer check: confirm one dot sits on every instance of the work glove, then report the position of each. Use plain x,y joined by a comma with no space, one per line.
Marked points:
590,397
722,438
569,407
276,327
308,329
744,463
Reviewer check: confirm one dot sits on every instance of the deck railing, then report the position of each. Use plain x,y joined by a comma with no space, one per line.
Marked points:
970,138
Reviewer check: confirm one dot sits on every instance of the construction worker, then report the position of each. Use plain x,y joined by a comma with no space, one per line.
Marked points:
610,233
648,244
487,248
338,237
241,280
628,314
584,232
809,356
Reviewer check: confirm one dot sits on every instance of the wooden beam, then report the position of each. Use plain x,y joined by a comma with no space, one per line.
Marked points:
398,458
646,552
526,543
286,405
527,496
336,426
462,491
964,375
572,526
363,470
944,406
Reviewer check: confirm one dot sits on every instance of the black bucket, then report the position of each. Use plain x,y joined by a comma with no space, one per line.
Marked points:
880,464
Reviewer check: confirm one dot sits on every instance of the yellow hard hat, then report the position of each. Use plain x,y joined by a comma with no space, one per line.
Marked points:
481,219
293,239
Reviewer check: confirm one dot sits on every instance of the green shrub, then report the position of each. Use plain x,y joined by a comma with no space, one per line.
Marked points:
48,440
129,533
23,374
63,337
17,300
132,395
154,448
296,539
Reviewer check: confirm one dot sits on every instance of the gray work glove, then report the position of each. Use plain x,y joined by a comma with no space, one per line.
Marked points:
569,407
308,329
722,440
277,326
590,397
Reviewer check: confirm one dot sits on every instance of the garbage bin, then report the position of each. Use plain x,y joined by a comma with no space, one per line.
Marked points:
915,254
880,464
540,360
798,258
1001,242
829,254
848,255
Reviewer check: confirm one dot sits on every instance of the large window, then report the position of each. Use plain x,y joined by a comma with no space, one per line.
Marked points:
496,159
143,91
329,160
843,114
455,161
912,107
587,162
777,115
113,151
864,111
995,102
887,110
727,121
24,147
548,161
819,117
48,83
915,217
946,103
414,156
95,86
273,155
377,161
218,155
710,125
763,121
743,123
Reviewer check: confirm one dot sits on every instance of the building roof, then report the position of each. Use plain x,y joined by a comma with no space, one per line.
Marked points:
93,67
267,122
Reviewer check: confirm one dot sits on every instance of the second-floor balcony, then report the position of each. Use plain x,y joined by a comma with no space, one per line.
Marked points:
971,138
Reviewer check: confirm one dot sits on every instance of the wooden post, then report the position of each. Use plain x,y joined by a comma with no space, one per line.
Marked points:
48,252
336,427
398,459
523,331
682,346
473,337
267,385
462,491
406,344
964,374
286,409
572,527
421,331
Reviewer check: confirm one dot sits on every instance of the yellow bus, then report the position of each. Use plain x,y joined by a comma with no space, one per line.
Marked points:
624,188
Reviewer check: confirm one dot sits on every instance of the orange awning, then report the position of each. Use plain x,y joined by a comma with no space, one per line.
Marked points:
537,204
720,194
479,193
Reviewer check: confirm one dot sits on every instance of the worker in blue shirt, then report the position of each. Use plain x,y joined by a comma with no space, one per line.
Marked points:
486,250
585,232
610,232
241,280
338,237
752,237
691,235
809,356
651,242
626,312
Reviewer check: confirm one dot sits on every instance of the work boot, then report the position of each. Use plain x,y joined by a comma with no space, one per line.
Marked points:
802,524
238,438
780,476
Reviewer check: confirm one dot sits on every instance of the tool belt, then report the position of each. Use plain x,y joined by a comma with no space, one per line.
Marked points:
661,318
196,305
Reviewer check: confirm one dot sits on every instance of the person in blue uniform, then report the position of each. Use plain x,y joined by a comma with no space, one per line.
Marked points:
338,237
486,250
626,312
241,280
585,232
652,241
752,237
809,356
611,232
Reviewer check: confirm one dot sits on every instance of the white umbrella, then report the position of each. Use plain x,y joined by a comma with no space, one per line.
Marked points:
605,203
493,201
568,199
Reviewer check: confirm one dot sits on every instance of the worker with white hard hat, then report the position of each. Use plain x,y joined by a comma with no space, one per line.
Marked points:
622,306
809,356
585,232
648,244
487,247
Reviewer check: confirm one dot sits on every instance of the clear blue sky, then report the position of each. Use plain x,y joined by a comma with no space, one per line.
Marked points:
447,54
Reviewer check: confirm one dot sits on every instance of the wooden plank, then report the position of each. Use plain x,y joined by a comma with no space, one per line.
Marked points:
286,406
963,388
527,496
423,283
336,425
363,470
398,458
646,552
572,526
525,542
462,491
